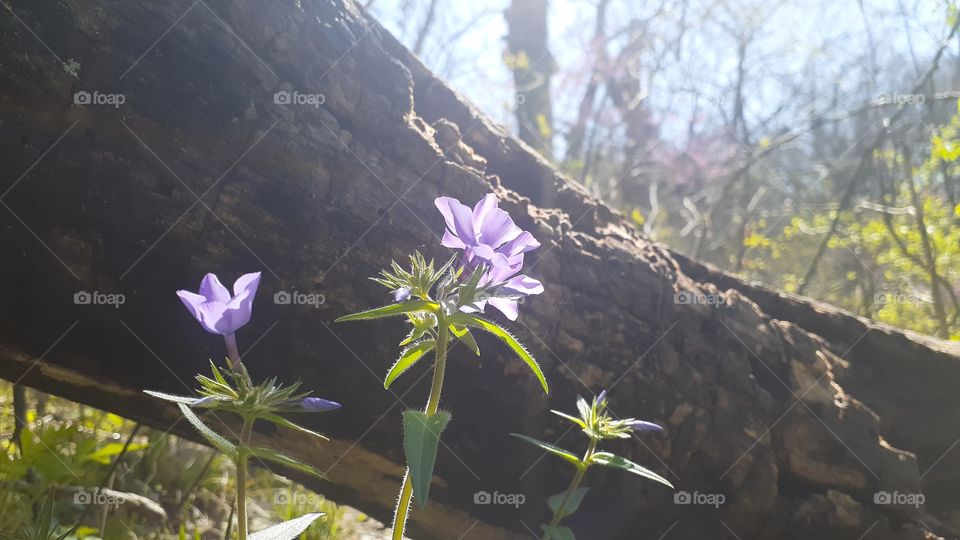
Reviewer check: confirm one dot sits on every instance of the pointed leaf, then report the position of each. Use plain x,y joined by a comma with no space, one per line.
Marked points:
572,503
392,310
408,357
464,335
610,460
288,530
421,434
281,421
506,337
555,450
558,533
280,459
186,400
573,419
210,435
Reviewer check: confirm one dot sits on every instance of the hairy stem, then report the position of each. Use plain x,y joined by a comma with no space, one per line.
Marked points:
574,484
433,402
242,456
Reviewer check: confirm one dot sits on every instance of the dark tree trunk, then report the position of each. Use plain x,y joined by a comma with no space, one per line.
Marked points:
200,169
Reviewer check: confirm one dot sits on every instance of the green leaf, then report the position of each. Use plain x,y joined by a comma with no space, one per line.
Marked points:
288,530
104,454
573,419
464,335
558,533
506,337
210,435
392,310
281,421
572,503
408,357
186,400
421,434
556,450
280,459
610,460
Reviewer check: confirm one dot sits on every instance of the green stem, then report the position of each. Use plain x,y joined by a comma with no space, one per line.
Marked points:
574,484
242,478
433,402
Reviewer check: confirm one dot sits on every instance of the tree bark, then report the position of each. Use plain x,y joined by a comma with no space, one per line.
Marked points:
205,167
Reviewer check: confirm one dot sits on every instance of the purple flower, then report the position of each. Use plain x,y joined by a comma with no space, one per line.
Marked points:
488,236
216,310
315,404
602,398
640,425
401,295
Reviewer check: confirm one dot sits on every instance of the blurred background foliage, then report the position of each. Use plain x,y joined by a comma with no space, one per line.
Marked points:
153,485
811,146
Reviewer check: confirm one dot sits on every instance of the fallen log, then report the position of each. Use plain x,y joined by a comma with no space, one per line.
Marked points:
149,143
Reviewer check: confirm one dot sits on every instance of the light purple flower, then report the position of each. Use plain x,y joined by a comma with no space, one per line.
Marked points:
315,404
216,310
401,295
640,425
488,236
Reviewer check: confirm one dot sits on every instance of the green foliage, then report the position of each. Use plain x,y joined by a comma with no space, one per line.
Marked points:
288,530
506,337
421,435
408,357
568,456
573,501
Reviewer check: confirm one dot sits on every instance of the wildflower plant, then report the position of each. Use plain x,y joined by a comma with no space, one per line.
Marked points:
443,305
595,421
230,389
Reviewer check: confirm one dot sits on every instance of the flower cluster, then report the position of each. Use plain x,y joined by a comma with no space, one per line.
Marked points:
493,245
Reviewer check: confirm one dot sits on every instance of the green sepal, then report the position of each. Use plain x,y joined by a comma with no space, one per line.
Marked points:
421,435
392,310
210,435
573,419
280,459
288,530
506,337
610,460
408,357
572,503
555,450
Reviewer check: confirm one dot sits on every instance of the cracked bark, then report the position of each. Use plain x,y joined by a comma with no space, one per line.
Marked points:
724,381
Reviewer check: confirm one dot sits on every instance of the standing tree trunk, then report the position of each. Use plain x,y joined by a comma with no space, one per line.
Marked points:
532,64
148,143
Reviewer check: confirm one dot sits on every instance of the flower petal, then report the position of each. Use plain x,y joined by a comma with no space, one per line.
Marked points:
458,216
192,301
451,241
482,209
213,290
247,282
524,284
497,228
315,404
211,317
506,306
640,425
522,243
402,294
